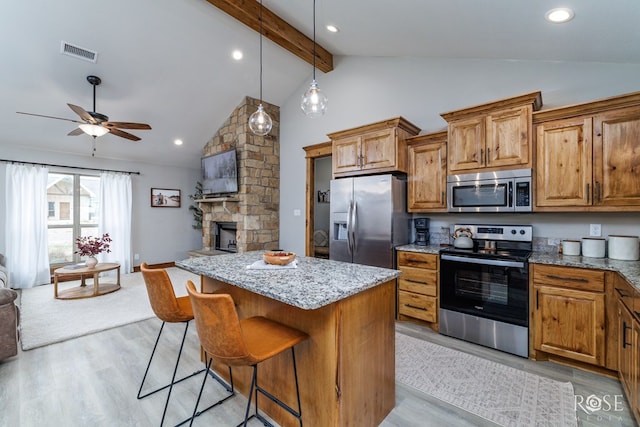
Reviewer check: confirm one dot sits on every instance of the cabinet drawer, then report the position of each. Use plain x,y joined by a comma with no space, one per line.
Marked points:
569,277
419,280
418,259
417,306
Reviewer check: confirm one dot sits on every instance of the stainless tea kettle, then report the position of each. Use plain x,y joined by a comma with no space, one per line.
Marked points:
462,238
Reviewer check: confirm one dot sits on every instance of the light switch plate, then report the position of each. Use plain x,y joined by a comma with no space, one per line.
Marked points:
595,230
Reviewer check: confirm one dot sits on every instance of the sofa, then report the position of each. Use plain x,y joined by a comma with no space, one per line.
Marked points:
9,315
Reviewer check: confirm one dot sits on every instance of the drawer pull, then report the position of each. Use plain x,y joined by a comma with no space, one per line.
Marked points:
621,293
415,281
416,307
624,335
570,279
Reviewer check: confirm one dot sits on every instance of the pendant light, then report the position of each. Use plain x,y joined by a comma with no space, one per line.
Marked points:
314,102
259,122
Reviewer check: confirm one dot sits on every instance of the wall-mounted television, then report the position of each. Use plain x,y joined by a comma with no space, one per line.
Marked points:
220,173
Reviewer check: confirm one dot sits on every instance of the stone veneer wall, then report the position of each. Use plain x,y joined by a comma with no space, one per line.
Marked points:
255,209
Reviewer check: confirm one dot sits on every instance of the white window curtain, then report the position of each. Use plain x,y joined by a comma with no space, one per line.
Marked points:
115,218
26,226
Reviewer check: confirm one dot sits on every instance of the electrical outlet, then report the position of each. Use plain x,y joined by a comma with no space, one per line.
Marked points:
136,256
595,230
553,242
296,212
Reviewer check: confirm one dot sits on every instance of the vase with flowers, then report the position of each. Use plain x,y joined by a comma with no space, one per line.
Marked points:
90,246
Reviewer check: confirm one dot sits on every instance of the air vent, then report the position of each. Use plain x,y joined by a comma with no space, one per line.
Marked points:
78,52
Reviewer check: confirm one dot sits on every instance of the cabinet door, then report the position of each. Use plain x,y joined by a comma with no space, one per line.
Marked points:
570,323
617,158
466,144
427,177
508,140
346,154
564,163
378,149
627,352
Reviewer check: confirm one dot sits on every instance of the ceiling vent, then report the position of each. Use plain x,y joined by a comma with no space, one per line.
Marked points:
78,52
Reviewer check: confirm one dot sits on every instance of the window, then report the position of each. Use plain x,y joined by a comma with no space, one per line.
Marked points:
73,212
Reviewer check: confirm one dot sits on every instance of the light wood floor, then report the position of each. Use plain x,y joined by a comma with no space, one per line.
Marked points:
93,381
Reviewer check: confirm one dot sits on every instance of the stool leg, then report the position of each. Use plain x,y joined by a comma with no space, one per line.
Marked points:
231,390
140,395
175,370
149,364
250,396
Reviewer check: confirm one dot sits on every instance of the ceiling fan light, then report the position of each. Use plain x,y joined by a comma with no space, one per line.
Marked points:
93,130
260,122
314,101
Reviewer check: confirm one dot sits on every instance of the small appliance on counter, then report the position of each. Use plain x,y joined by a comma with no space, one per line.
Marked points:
422,231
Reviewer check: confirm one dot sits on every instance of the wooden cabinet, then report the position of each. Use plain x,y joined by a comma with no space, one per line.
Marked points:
375,148
427,173
589,160
418,287
569,313
491,136
628,342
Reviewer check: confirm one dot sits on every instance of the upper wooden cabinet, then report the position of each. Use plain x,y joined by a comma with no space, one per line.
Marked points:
588,156
427,174
496,135
374,148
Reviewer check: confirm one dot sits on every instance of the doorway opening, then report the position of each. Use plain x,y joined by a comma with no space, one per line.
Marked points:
319,174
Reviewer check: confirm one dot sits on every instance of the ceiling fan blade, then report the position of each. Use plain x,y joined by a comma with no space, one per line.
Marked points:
123,134
76,132
83,114
48,117
126,125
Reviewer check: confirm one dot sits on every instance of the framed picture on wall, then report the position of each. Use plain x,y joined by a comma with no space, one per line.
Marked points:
165,198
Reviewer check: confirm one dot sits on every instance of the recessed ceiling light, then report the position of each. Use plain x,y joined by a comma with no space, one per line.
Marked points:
237,55
332,28
559,15
178,142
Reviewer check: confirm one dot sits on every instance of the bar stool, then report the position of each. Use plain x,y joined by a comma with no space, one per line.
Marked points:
244,342
168,308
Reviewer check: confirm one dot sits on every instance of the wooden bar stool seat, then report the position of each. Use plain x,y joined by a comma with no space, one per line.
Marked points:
246,342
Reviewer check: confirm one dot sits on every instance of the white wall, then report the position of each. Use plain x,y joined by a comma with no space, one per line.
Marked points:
363,90
159,234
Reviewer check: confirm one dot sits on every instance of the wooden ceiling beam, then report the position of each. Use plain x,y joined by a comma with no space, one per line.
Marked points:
277,30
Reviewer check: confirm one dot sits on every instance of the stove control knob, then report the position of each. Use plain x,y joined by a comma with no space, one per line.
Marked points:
521,231
513,231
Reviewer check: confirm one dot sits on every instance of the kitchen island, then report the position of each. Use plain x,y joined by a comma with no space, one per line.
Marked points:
347,368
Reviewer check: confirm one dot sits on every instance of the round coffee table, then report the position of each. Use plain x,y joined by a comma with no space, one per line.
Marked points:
84,291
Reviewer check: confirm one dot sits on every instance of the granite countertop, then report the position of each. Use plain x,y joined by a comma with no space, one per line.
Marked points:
429,249
313,284
630,270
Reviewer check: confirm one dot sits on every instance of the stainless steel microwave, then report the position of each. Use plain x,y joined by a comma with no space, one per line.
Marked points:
499,191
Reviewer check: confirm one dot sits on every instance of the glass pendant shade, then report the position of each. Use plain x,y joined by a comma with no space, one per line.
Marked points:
259,122
93,130
314,101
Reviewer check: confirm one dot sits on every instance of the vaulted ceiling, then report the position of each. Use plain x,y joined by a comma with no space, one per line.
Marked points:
168,63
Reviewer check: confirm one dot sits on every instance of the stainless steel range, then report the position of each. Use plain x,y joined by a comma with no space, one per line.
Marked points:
484,289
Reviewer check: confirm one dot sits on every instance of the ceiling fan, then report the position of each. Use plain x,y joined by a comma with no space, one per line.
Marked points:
97,124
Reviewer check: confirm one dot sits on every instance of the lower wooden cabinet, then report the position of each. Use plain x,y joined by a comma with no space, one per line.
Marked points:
569,317
628,343
418,287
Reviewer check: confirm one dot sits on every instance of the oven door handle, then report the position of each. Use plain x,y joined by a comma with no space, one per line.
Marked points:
482,261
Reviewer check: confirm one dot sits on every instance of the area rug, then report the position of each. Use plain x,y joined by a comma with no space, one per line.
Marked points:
498,393
45,320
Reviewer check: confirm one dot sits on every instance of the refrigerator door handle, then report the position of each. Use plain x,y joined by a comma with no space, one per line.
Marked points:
354,227
349,243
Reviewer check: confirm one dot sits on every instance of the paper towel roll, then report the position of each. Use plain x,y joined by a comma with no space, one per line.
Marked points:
593,247
626,248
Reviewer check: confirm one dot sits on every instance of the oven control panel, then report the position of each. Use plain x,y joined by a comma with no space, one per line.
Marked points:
521,233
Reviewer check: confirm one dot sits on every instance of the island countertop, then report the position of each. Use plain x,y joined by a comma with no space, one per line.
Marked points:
313,284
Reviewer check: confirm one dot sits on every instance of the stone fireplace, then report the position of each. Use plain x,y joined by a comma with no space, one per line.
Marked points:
255,208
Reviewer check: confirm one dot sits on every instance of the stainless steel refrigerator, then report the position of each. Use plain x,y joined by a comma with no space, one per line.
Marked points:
368,219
